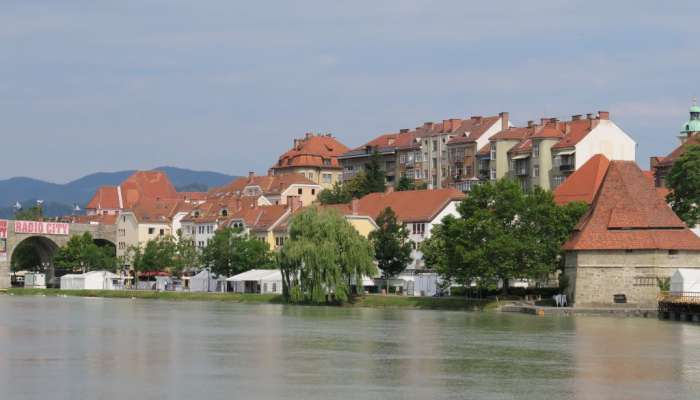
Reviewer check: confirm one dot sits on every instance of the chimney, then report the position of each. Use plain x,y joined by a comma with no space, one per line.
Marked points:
294,203
543,121
297,142
553,121
428,125
355,205
576,117
504,119
308,135
589,116
476,119
604,115
251,175
455,123
530,123
404,130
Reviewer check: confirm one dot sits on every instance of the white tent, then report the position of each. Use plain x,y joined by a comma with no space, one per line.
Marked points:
205,281
257,281
685,280
93,280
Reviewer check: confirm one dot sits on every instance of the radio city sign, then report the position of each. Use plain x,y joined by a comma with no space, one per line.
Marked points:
42,228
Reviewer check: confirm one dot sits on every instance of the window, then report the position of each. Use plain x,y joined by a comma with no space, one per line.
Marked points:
402,158
162,232
557,181
300,191
123,218
151,231
645,281
673,253
419,228
327,178
279,241
122,245
326,161
493,174
313,192
435,145
536,171
434,163
536,149
311,175
493,151
274,287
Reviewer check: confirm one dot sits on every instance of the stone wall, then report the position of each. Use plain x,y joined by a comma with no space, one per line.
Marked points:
48,244
596,276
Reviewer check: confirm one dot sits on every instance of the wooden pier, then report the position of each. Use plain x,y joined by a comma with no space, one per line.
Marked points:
682,306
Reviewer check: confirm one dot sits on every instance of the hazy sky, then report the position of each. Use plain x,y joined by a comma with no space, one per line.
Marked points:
225,85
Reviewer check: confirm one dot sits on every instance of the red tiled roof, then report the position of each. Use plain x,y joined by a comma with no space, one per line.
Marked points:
678,151
583,184
106,197
311,151
147,184
473,128
102,219
414,205
525,146
550,131
628,214
513,133
269,184
258,217
484,151
159,210
577,131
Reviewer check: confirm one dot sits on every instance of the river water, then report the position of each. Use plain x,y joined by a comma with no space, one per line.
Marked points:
77,348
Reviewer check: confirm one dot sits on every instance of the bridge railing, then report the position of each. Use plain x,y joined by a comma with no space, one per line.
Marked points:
679,297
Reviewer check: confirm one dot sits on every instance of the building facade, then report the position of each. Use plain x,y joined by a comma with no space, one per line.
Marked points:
314,156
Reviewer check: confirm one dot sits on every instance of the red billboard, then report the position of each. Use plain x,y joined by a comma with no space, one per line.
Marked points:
3,229
42,228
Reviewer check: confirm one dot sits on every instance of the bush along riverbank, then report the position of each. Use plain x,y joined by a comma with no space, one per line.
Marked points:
369,301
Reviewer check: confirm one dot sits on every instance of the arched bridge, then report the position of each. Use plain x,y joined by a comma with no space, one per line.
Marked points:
45,237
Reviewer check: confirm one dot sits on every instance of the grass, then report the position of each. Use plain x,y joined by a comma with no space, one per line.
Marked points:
371,301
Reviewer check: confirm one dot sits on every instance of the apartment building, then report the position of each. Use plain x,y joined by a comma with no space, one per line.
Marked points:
472,135
314,156
423,153
545,154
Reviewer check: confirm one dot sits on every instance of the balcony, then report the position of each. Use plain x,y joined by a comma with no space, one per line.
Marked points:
566,167
522,171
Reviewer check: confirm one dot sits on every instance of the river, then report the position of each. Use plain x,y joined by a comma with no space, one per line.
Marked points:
78,348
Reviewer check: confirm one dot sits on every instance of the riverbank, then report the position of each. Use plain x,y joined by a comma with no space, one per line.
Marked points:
369,301
570,311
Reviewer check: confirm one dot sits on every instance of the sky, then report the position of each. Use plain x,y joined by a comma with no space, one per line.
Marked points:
226,85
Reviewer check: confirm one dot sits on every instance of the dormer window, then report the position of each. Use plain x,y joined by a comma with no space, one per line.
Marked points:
224,212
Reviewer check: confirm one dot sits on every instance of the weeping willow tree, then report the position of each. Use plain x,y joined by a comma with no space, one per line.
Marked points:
324,258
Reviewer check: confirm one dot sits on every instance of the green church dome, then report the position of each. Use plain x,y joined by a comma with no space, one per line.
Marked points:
695,109
691,126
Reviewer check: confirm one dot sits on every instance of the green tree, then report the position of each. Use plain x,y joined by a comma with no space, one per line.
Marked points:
338,194
25,257
231,252
323,258
405,183
684,182
81,254
502,233
392,249
156,255
34,213
374,176
187,256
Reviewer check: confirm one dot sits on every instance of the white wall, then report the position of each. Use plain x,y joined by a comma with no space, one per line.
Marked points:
607,139
417,255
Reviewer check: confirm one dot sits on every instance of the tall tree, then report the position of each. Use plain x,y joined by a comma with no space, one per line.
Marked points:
231,252
81,254
502,233
374,180
187,256
684,182
392,249
323,258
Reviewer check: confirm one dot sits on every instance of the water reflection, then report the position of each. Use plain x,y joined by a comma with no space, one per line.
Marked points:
68,348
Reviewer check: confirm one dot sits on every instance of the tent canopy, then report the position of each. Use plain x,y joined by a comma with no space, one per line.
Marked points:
257,275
